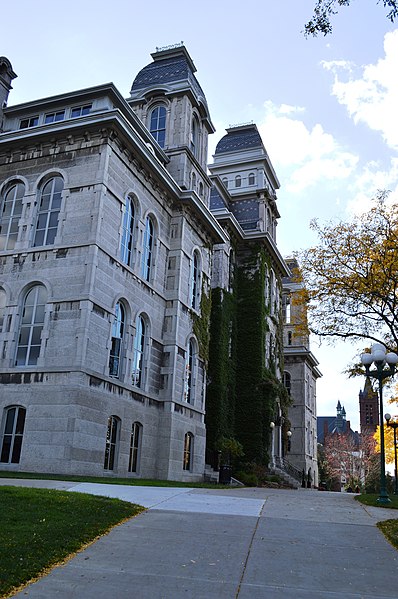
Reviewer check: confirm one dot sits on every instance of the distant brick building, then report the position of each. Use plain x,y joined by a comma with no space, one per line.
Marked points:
368,408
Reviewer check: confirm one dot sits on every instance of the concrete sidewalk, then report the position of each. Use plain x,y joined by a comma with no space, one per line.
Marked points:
243,543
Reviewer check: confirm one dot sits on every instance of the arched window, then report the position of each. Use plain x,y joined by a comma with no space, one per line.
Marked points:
139,353
147,249
190,373
231,269
193,181
49,208
14,423
251,179
238,181
112,443
158,124
135,447
115,355
188,452
201,190
2,308
225,181
126,246
195,280
195,136
287,381
286,311
31,326
11,210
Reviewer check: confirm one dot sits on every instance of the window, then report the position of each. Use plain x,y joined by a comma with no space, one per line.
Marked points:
287,381
147,249
117,341
32,121
135,447
225,181
195,137
111,444
54,117
32,321
195,276
286,312
193,181
126,248
188,452
238,181
80,110
189,373
139,352
289,337
50,205
14,423
11,211
231,270
251,179
201,190
157,125
2,308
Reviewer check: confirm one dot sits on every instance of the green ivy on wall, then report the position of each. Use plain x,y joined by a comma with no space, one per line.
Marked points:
220,396
201,323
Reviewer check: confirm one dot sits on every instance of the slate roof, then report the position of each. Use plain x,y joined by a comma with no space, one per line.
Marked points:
168,70
246,213
239,139
334,424
217,202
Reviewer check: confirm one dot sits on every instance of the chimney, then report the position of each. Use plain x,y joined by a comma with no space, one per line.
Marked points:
6,76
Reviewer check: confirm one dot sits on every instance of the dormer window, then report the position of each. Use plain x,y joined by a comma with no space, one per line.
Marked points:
54,117
251,179
32,121
225,181
238,181
80,110
157,125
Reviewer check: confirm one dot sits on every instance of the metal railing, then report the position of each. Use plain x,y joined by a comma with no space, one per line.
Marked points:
292,470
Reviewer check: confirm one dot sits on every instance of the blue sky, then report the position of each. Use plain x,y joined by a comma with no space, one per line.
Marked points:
326,107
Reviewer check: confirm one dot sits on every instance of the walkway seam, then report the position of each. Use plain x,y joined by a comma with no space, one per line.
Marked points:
249,550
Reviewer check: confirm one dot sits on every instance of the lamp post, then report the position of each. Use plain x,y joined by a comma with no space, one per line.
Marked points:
289,436
394,425
384,367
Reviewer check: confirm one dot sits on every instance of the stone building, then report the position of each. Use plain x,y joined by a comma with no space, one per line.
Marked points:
300,375
112,234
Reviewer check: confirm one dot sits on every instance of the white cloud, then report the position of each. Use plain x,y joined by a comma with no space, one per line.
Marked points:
310,155
371,179
373,97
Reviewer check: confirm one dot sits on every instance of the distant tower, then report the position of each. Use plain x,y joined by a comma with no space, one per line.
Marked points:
6,76
368,408
340,417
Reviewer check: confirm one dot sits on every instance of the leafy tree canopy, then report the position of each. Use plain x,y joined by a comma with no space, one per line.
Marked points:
388,443
351,277
325,9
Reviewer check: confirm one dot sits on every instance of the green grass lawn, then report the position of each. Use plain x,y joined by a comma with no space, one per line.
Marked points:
42,527
371,499
137,482
389,527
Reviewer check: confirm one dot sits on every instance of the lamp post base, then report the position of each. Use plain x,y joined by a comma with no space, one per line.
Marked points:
383,499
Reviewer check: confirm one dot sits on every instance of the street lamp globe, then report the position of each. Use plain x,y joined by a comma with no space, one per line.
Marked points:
391,358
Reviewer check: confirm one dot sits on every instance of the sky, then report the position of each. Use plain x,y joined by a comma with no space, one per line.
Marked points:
325,107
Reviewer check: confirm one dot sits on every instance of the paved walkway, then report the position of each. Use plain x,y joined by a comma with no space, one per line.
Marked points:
216,544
